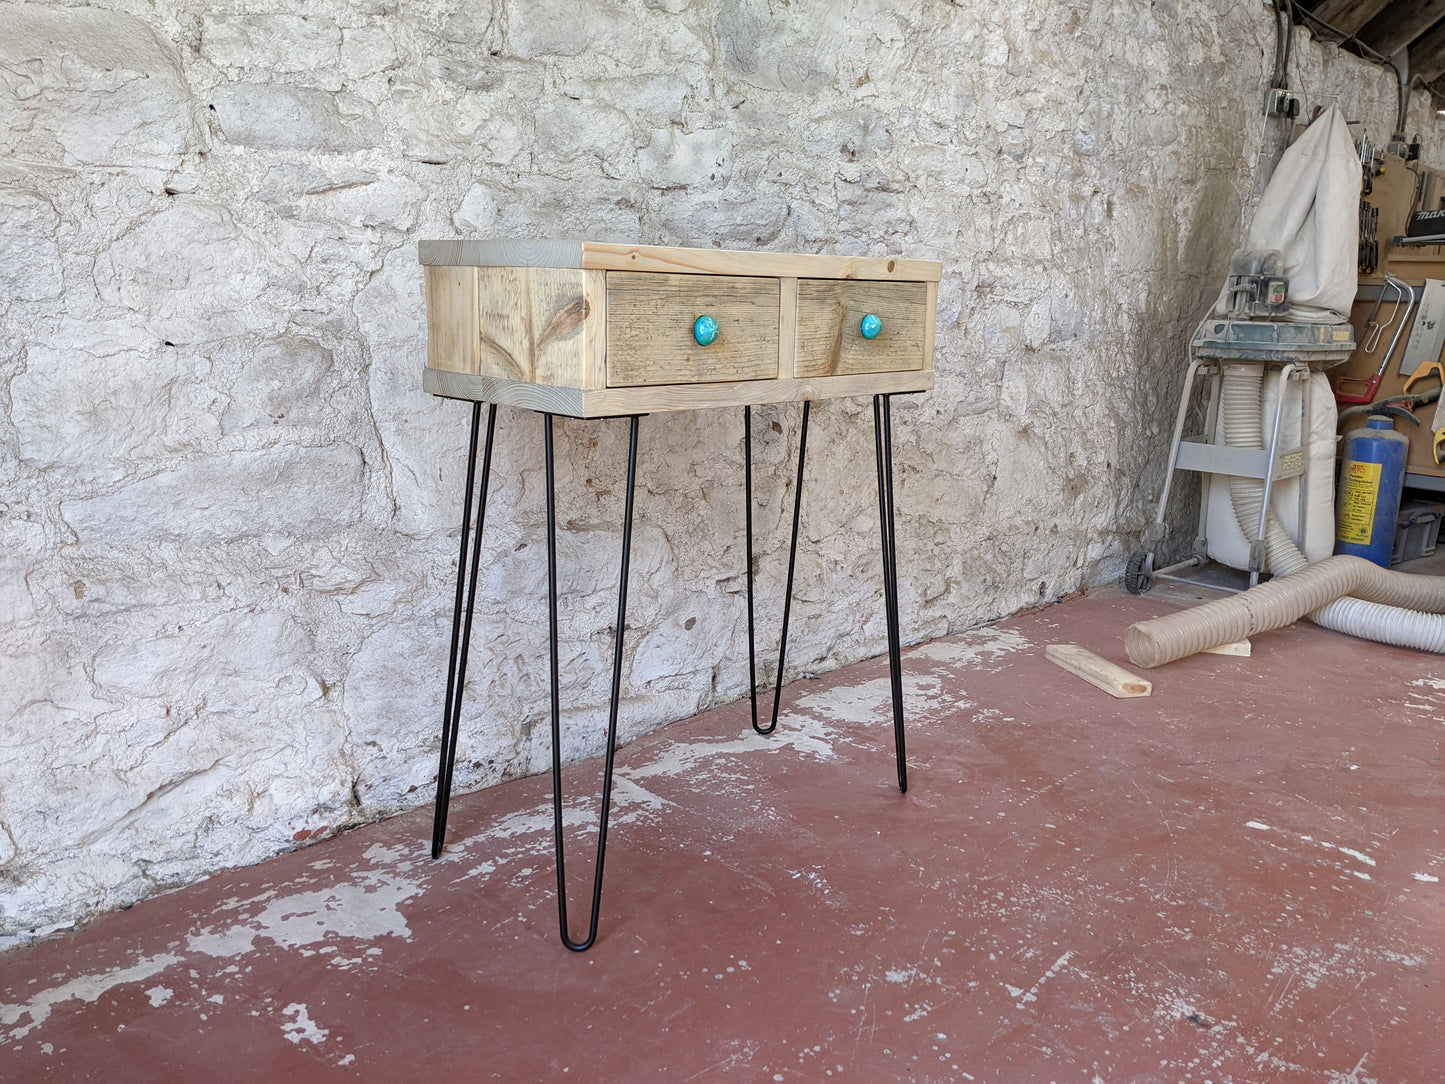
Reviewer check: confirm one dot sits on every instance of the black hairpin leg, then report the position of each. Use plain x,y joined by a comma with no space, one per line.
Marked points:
580,946
792,561
462,621
883,440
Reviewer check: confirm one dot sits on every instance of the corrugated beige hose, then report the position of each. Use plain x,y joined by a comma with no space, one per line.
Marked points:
1389,607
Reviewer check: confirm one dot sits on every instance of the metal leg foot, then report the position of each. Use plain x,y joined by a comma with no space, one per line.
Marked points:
462,621
581,946
883,440
792,564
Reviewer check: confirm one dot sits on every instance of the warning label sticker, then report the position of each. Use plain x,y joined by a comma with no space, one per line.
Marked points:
1359,491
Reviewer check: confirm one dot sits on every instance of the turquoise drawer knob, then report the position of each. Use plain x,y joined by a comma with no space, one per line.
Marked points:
704,330
870,326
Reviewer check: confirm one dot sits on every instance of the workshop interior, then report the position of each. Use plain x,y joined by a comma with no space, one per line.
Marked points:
695,539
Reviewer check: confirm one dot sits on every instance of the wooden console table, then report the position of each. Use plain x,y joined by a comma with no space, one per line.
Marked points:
589,330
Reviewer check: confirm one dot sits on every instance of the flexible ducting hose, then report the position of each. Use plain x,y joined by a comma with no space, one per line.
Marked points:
1389,607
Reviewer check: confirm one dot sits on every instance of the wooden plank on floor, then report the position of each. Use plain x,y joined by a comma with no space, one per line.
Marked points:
1234,647
1097,671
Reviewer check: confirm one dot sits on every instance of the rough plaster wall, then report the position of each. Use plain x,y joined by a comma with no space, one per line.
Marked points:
228,514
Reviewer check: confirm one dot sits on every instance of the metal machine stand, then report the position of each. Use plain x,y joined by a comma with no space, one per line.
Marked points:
1292,351
466,592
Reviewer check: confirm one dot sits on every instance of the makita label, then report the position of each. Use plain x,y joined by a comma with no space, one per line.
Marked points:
1426,223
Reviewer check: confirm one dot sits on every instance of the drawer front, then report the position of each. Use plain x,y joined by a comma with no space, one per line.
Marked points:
650,322
830,336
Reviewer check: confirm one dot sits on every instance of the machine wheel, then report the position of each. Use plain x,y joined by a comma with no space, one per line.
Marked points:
1139,572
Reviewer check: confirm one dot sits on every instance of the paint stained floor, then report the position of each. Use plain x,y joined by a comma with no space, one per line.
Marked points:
1238,878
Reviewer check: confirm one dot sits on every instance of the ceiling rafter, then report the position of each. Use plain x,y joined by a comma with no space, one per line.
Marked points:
1411,33
1400,24
1348,15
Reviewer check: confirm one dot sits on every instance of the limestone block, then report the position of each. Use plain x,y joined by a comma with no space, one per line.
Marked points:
523,80
735,219
192,271
425,437
780,48
97,415
367,50
467,22
286,182
304,492
30,269
666,657
851,135
93,87
232,661
567,27
674,159
46,691
390,200
21,544
549,206
577,139
275,116
284,383
477,214
393,704
478,126
283,43
655,101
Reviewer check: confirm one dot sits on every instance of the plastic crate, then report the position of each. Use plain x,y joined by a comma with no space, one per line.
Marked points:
1417,530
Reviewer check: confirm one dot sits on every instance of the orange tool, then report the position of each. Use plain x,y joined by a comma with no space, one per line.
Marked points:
1425,370
1439,441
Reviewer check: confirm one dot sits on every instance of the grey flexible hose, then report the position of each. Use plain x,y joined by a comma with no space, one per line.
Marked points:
1388,607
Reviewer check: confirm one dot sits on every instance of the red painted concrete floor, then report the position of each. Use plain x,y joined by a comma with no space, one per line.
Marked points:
1235,879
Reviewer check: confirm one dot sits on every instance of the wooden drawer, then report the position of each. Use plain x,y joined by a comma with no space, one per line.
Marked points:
830,312
650,328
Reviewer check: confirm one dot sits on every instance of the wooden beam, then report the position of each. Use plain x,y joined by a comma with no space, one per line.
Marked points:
1347,15
1427,54
1234,647
1400,24
1099,672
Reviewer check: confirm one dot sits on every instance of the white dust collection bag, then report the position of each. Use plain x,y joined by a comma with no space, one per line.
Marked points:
1310,212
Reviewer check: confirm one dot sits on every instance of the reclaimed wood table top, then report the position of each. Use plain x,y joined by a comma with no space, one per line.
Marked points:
595,330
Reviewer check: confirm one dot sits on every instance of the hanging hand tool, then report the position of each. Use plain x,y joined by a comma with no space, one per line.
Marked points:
1372,323
1400,412
1425,371
1407,402
1369,251
1347,390
1437,426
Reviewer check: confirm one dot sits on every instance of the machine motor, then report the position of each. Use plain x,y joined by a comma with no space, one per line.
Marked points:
1257,284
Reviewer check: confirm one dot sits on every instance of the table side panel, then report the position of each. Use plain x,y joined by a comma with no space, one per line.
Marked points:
650,321
787,326
531,321
594,330
830,342
453,335
930,322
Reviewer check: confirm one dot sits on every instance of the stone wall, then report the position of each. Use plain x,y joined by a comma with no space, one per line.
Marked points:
228,514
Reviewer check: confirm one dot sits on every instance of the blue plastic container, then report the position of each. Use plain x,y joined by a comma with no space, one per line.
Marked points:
1372,474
